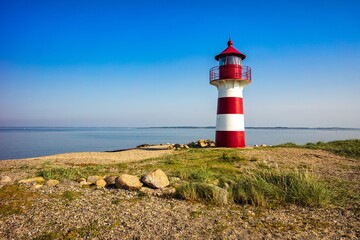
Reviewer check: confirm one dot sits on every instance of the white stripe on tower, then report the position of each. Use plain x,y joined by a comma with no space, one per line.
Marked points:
230,122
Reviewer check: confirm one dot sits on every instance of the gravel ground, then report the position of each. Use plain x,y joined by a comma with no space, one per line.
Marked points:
122,214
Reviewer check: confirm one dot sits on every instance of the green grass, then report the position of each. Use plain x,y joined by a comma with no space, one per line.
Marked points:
15,199
247,180
265,187
201,192
90,231
346,148
70,195
274,187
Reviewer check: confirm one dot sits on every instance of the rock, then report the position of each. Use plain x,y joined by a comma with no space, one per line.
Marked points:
221,196
192,145
100,183
36,186
168,191
84,184
68,183
51,183
33,180
156,179
263,145
5,179
186,146
256,145
143,146
129,182
146,190
202,143
110,180
158,192
93,179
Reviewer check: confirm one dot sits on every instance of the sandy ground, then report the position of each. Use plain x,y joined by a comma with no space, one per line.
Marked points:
81,159
121,214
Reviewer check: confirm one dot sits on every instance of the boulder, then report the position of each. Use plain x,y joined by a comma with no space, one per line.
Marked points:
93,179
33,180
263,145
202,143
5,179
100,183
156,179
51,183
129,182
36,186
158,192
68,183
110,180
84,184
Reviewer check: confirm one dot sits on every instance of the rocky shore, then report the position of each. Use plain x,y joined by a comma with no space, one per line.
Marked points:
139,201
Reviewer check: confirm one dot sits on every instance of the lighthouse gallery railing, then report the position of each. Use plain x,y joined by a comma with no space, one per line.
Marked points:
244,74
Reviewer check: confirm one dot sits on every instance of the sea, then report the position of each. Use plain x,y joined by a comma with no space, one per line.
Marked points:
26,142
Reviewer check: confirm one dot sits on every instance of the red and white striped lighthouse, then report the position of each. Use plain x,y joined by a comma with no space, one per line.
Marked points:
230,78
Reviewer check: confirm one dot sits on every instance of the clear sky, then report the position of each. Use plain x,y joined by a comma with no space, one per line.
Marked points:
146,63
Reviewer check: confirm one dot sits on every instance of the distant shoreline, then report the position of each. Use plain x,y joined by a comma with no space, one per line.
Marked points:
187,127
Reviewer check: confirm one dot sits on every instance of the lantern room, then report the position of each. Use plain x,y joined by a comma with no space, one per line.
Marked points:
230,66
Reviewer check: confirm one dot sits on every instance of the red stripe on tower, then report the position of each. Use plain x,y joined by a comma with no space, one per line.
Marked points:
230,105
230,78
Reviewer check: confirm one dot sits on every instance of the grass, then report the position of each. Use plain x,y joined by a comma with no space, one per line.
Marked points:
75,173
274,187
346,148
70,195
263,188
90,231
201,192
15,199
245,180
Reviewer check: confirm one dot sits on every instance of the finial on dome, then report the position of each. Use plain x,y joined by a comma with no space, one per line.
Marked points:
230,42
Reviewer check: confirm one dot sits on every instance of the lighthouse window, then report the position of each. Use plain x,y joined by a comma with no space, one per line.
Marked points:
233,60
230,60
222,61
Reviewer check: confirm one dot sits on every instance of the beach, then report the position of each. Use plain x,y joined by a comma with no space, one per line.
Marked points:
111,213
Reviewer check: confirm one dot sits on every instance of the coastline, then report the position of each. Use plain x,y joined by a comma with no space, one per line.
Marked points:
108,213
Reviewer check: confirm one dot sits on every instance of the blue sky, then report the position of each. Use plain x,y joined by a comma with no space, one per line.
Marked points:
146,63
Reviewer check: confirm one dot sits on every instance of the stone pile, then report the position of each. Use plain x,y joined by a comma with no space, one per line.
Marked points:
201,143
153,183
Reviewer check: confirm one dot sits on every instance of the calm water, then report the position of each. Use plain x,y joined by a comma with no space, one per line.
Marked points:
34,142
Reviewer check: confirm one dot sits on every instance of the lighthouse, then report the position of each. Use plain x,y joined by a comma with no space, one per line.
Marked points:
230,78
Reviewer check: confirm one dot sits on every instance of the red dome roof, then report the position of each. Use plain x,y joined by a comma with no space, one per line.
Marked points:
230,51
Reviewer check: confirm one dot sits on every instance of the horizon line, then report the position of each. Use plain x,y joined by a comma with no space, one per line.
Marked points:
251,127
